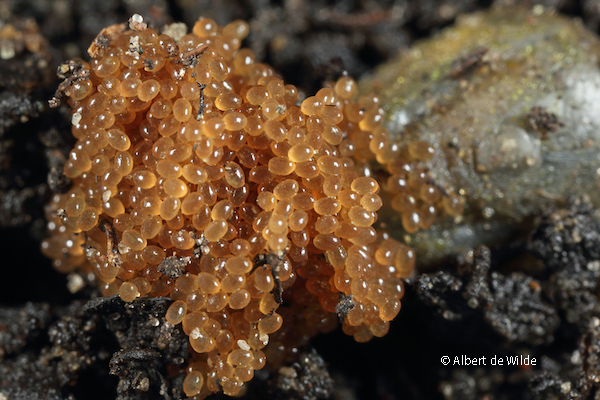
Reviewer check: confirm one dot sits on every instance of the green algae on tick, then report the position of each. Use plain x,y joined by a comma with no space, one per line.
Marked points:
470,92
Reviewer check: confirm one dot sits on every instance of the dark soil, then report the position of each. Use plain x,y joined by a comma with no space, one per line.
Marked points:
535,299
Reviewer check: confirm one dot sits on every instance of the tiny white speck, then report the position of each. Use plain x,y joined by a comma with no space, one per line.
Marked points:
7,51
134,47
593,265
136,23
91,253
288,372
179,74
176,30
106,196
76,118
264,338
75,283
123,248
243,345
195,333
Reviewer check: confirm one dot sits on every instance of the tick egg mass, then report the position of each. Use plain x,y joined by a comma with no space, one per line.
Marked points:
198,175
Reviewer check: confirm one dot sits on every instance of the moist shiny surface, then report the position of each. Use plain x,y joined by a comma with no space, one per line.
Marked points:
198,175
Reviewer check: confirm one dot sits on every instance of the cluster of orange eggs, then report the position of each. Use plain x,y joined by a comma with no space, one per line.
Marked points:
197,175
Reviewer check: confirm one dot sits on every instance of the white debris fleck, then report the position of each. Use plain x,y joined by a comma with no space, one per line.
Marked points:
91,253
75,118
264,338
106,196
195,333
243,344
136,23
288,372
175,30
281,109
179,74
123,248
538,10
75,282
7,50
594,265
134,46
565,387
